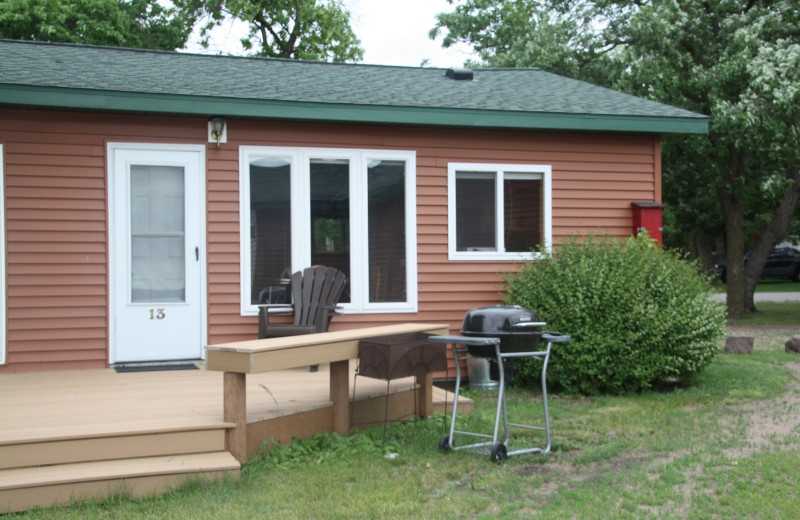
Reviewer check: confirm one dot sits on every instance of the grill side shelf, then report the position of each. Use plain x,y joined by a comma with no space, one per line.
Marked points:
465,340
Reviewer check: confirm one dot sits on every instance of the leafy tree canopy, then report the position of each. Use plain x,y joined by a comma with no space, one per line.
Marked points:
300,29
737,61
143,24
507,33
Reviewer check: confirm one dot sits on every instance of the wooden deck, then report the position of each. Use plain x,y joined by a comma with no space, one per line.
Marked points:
84,433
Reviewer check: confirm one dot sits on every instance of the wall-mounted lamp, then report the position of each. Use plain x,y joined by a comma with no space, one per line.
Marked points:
217,131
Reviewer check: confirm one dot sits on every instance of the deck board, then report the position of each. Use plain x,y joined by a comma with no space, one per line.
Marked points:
63,404
112,469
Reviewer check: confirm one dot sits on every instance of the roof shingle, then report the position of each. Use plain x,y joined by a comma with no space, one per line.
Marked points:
227,79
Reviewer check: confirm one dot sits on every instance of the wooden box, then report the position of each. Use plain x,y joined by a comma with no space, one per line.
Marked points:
400,355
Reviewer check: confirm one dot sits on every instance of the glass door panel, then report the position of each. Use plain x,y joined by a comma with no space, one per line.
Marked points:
330,216
270,230
158,252
387,232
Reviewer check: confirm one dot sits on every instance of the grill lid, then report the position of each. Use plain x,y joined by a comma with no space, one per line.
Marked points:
500,320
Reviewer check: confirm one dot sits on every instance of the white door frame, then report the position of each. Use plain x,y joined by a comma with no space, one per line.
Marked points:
114,249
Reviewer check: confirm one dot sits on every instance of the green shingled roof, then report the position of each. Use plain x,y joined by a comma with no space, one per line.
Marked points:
133,80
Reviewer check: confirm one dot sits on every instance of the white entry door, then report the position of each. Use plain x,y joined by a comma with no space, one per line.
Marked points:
157,211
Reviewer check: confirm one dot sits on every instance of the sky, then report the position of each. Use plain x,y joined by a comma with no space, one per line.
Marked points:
392,32
395,32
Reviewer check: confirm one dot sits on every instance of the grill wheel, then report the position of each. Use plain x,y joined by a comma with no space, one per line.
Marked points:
499,452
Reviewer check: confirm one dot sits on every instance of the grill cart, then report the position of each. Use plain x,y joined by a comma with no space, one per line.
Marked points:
501,332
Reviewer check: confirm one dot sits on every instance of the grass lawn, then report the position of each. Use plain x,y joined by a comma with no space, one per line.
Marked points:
728,446
777,286
772,313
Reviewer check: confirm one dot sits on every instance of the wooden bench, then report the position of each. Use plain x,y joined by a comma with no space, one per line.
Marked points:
238,359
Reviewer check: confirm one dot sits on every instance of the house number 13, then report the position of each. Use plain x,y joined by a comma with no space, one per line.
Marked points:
157,314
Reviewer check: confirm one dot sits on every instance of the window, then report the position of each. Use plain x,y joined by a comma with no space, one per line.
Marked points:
349,209
498,211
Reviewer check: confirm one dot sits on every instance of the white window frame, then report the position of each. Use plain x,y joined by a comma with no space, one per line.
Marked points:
519,171
301,214
3,287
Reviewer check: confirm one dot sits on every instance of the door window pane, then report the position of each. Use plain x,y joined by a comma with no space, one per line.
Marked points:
270,230
158,249
387,232
330,216
475,212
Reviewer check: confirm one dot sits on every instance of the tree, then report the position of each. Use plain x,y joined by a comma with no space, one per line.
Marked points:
507,33
299,29
135,23
737,61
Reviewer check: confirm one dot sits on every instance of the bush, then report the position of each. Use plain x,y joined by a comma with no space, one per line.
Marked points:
638,315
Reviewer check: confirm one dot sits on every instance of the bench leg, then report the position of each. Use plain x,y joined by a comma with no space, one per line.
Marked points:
340,395
235,411
425,395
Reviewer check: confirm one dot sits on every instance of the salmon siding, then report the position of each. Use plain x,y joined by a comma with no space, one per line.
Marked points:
56,178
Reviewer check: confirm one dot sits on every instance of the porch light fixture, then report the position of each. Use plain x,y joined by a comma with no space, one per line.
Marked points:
217,129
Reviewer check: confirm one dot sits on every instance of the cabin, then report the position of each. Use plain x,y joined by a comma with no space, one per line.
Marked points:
152,201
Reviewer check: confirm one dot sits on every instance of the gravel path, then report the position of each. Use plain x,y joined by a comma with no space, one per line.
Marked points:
766,297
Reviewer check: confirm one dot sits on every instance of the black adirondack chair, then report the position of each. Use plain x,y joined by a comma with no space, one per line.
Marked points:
315,291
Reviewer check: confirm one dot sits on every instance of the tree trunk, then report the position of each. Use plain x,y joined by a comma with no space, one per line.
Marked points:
742,279
700,247
777,228
730,200
733,210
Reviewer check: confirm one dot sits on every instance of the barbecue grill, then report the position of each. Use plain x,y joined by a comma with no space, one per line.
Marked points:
518,328
501,332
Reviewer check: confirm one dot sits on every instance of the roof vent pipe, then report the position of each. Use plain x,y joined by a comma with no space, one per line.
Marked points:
459,74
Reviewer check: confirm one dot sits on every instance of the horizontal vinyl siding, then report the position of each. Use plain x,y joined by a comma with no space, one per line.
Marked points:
56,200
224,320
595,178
57,216
56,248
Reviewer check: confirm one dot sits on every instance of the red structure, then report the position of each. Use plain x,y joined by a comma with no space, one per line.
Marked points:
647,217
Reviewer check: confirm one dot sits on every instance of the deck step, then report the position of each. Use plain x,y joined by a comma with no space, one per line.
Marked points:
111,446
43,486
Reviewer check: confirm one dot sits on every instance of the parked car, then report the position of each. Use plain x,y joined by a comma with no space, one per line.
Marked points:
783,262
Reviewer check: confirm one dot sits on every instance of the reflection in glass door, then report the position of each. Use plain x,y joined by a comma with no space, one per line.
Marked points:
157,234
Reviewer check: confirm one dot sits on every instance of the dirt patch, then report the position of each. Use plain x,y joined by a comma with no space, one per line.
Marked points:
569,475
764,425
770,422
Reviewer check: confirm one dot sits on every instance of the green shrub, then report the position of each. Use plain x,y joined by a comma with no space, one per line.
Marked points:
638,315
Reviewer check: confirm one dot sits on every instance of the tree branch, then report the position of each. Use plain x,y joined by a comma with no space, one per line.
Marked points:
263,28
297,28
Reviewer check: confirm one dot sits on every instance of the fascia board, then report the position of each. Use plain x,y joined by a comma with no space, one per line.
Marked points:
331,112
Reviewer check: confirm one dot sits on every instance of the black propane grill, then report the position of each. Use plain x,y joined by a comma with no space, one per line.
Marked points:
502,333
518,328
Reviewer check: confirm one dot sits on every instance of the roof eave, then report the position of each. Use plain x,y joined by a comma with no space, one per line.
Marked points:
205,106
